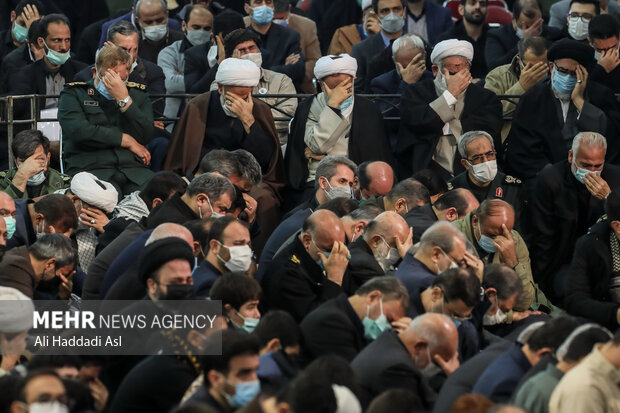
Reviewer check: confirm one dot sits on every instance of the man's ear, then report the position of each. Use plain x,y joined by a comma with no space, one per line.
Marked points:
323,182
214,246
272,345
461,9
183,25
490,293
247,8
196,248
283,407
452,214
51,263
436,293
13,15
570,156
214,378
543,351
40,42
156,202
465,163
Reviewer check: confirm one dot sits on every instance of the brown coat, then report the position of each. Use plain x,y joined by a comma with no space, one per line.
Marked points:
16,271
344,39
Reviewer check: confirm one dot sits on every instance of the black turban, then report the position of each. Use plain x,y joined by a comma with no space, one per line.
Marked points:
160,252
571,49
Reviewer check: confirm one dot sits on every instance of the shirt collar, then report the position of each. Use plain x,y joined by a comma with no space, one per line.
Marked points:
386,40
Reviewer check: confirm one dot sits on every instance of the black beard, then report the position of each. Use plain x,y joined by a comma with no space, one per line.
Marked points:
414,1
478,21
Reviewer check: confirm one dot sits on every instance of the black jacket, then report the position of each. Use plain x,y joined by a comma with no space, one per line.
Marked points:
590,272
362,266
330,15
367,141
535,138
557,220
11,64
385,364
173,210
364,52
479,63
420,219
198,75
333,328
611,80
421,127
295,283
501,46
89,41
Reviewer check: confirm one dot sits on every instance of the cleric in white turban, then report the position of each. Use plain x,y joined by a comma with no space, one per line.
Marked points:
237,72
94,192
452,47
335,64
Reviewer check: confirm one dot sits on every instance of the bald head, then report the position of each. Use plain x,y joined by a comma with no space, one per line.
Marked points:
376,179
320,231
441,246
386,226
495,213
7,205
168,230
433,332
455,204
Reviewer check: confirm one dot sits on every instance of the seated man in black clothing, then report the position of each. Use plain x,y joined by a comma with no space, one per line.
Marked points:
603,36
240,295
344,326
280,45
593,288
310,270
386,240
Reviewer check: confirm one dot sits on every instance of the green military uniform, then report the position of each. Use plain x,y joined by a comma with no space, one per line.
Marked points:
504,187
92,128
54,181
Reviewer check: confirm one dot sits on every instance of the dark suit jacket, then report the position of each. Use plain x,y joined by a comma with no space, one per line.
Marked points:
362,266
11,64
420,219
557,222
438,20
535,138
173,24
330,15
478,64
172,210
462,381
333,328
501,46
421,127
89,41
500,379
386,363
367,140
198,75
364,52
24,233
204,277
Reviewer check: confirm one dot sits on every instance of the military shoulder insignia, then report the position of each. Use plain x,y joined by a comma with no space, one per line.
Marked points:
450,186
72,84
512,180
2,174
295,260
136,85
66,178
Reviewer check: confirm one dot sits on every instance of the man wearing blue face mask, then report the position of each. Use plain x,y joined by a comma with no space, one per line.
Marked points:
240,296
280,45
25,12
580,186
548,117
48,75
344,326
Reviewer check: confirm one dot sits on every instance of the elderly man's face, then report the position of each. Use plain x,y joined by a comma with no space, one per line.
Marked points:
121,70
240,91
454,64
245,48
334,80
591,158
478,151
58,38
3,234
405,56
7,207
491,226
566,66
128,43
151,14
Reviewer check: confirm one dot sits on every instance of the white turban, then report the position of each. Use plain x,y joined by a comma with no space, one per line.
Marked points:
452,47
366,3
335,64
16,311
93,191
345,399
237,72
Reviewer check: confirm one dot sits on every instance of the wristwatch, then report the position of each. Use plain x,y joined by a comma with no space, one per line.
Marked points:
123,102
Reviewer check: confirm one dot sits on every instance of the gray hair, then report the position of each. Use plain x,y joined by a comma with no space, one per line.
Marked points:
212,185
248,166
412,190
136,6
364,213
563,349
591,139
441,234
391,287
220,160
54,246
408,41
426,330
329,165
469,137
121,27
525,335
504,279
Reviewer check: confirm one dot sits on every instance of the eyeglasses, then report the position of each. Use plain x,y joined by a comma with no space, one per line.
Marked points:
482,157
565,71
585,17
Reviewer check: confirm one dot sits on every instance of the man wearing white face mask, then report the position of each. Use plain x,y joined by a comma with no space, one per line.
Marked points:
386,240
41,391
151,16
481,175
245,44
228,249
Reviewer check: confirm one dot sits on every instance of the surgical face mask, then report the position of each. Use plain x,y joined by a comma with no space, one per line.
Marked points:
431,369
214,214
440,81
37,179
392,23
346,104
484,172
452,263
497,318
197,37
227,111
155,33
319,262
262,15
563,83
338,192
580,173
10,226
485,242
103,90
281,22
240,257
597,55
178,292
577,28
391,257
20,33
249,324
256,58
39,232
519,33
374,328
212,56
48,407
244,393
56,58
